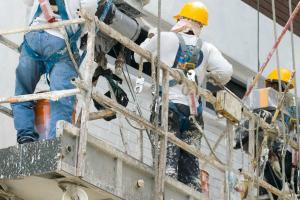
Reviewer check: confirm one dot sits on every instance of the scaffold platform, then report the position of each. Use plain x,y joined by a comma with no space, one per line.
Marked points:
35,171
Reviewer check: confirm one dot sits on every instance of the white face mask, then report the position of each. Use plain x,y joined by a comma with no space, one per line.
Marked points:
186,25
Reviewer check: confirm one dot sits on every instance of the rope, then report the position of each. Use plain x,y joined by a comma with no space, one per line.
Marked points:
275,30
121,127
130,124
295,80
259,74
128,82
258,34
205,138
141,68
280,88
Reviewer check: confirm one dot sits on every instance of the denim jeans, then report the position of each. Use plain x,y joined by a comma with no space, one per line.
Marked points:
28,74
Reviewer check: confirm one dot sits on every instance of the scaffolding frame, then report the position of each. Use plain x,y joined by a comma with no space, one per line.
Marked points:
85,88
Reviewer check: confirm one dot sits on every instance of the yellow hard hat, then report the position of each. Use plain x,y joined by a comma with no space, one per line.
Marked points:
196,11
285,75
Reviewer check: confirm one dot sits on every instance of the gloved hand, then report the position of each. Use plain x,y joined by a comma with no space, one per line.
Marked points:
139,84
212,79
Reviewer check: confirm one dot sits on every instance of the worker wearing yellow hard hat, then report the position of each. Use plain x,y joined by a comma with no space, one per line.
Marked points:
196,11
183,48
273,79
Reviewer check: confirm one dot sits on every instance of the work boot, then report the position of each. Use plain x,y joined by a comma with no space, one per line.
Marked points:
26,139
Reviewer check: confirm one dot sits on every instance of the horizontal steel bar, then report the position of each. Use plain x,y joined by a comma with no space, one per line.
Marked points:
43,27
54,96
172,138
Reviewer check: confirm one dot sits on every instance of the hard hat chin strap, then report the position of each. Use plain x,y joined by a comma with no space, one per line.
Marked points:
186,25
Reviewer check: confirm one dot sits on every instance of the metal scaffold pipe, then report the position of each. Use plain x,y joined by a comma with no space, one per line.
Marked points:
178,76
43,27
9,44
87,93
107,102
54,96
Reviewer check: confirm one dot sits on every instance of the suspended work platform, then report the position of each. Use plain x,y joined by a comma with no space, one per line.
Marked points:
36,171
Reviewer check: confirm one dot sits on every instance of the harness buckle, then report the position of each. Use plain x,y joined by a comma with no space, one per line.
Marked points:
188,65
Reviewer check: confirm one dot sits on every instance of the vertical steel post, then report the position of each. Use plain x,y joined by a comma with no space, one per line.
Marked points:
87,78
251,150
160,174
229,156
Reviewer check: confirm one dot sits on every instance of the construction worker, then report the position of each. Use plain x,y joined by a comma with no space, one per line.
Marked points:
44,52
273,79
183,49
271,149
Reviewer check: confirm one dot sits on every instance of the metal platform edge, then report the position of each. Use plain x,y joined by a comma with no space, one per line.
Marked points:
107,169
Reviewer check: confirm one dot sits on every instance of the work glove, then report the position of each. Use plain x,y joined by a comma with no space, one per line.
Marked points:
212,78
139,84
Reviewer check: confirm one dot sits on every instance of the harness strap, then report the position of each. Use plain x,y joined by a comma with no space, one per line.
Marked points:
182,43
182,48
107,7
197,52
37,14
48,61
72,37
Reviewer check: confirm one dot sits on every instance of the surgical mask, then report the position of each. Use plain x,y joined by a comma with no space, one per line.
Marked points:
186,25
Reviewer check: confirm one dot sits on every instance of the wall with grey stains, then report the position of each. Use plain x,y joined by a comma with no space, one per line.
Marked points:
232,28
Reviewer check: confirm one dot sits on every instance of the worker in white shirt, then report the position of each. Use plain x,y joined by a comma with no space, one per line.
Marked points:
182,48
44,52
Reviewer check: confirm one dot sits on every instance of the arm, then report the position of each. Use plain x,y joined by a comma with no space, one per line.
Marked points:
28,2
150,44
220,70
89,6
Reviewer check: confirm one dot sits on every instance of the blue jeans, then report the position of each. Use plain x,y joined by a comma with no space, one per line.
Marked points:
28,74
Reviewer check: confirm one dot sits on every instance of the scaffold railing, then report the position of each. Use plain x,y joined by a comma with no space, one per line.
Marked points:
85,88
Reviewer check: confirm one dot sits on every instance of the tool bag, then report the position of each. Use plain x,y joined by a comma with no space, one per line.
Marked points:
114,82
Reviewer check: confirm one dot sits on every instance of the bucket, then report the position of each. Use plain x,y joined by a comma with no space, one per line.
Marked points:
204,182
43,116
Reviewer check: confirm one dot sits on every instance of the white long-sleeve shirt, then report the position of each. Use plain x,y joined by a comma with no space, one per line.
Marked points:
213,61
72,6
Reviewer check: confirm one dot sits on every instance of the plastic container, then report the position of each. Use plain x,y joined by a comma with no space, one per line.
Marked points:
43,116
204,182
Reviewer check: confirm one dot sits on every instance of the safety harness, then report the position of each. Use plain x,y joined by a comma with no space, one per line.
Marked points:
63,52
187,58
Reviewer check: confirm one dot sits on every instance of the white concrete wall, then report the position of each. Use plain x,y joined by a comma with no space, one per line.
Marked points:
12,15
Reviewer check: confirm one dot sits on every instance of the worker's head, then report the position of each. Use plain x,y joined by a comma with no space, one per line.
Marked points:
273,79
192,17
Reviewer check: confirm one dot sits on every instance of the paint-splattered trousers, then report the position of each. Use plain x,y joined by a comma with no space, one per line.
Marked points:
181,165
